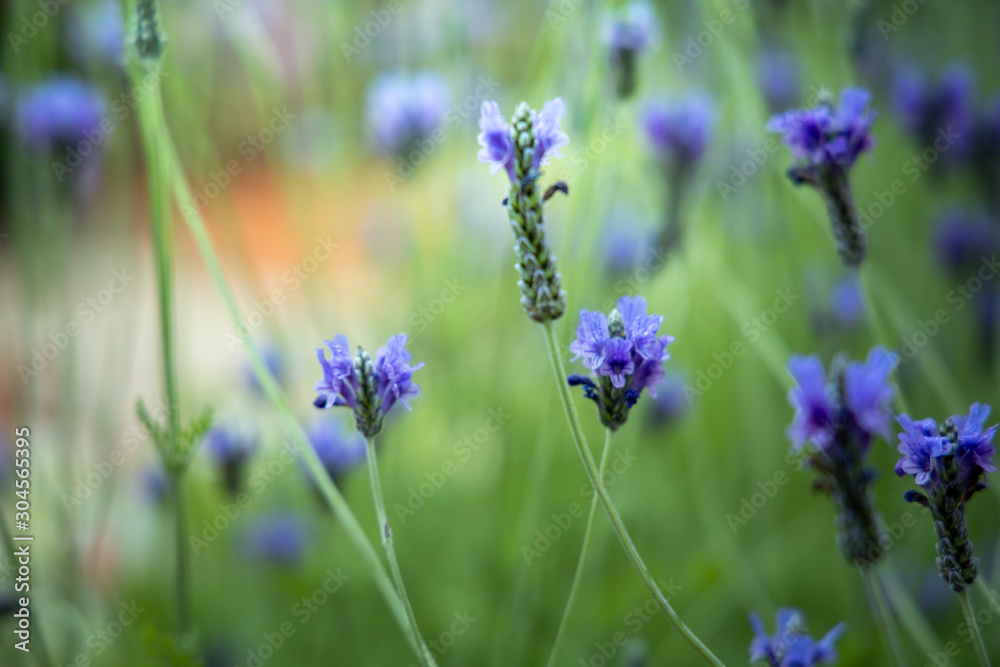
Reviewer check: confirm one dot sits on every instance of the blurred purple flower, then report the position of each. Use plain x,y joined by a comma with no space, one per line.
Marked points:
791,645
96,32
274,360
779,78
277,539
404,109
671,402
58,111
231,445
678,130
338,450
848,302
631,28
154,484
814,411
963,238
822,137
944,108
548,137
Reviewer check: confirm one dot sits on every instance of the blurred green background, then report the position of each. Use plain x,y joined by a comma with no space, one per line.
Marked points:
320,234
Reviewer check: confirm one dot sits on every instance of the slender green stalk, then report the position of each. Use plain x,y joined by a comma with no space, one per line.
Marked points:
160,214
883,617
595,479
386,532
185,199
970,620
581,560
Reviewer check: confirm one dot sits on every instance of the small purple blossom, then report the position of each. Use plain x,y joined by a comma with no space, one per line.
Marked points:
779,78
678,130
370,388
338,450
231,443
671,401
58,111
791,645
848,301
963,238
920,446
548,137
277,539
868,392
495,138
339,385
96,32
395,383
624,353
822,136
632,28
404,108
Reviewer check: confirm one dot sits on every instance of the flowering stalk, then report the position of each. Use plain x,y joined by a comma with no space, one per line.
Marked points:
332,496
826,143
370,388
581,560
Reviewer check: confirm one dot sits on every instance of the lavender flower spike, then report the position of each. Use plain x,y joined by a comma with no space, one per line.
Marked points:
837,415
520,149
826,142
624,353
949,463
627,33
369,387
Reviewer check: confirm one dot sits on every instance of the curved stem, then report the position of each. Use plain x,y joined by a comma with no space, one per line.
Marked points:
383,525
970,620
581,560
883,617
595,479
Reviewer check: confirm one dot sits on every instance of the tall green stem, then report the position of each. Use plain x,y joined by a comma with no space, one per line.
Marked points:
386,532
580,561
160,213
883,618
977,637
595,479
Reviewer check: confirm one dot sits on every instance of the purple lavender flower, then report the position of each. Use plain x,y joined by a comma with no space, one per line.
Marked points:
338,451
848,302
58,111
779,78
671,402
231,446
791,645
627,34
370,388
531,139
678,130
96,32
825,143
625,355
942,109
838,415
949,463
276,539
496,140
962,238
404,109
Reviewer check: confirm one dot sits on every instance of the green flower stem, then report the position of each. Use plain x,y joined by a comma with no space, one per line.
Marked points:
581,560
970,620
609,507
386,532
883,617
333,497
150,118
